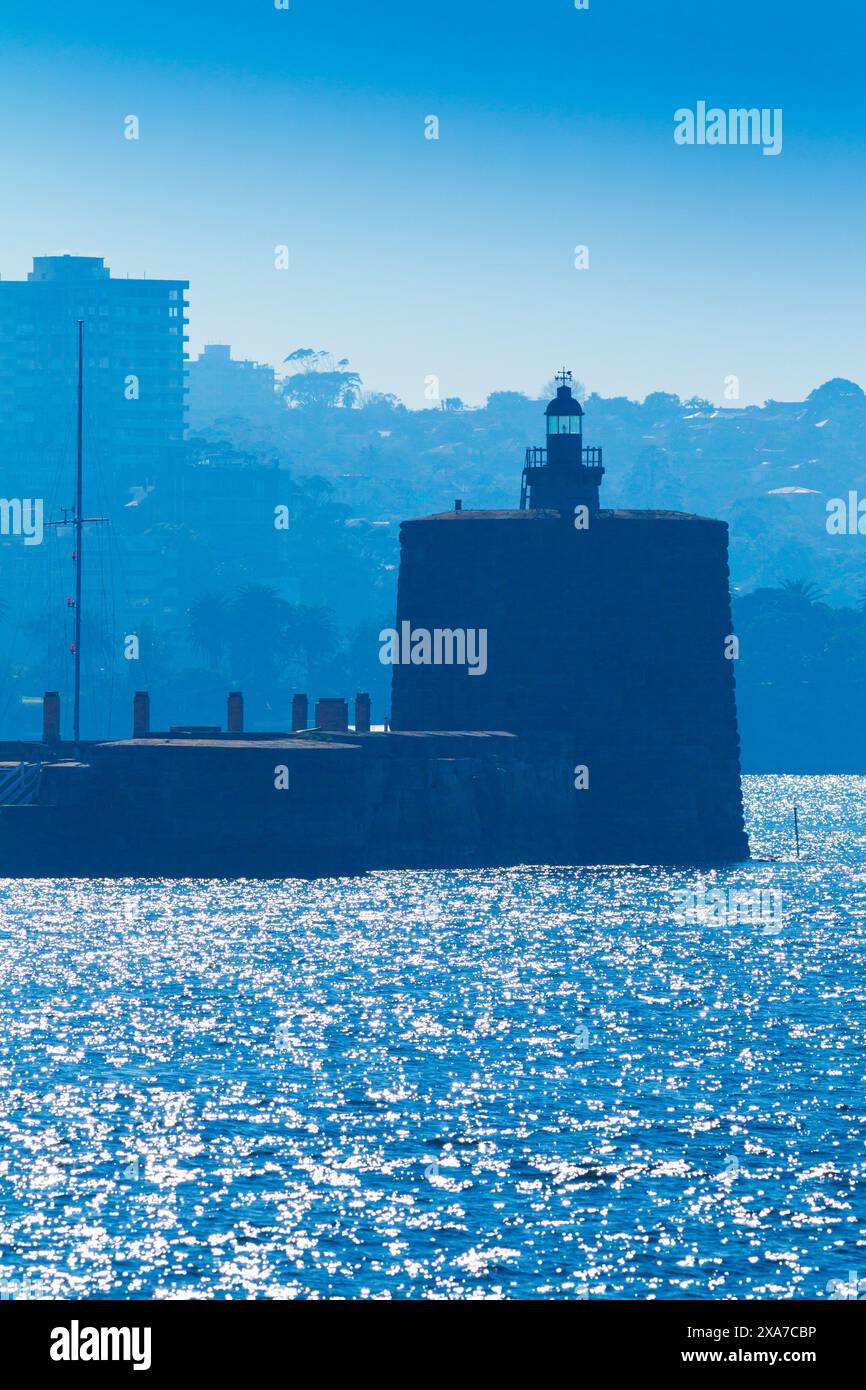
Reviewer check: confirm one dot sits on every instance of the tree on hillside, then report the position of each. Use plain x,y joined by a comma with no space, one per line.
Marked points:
549,390
315,378
662,403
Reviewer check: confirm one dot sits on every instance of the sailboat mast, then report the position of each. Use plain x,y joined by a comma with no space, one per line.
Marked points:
79,514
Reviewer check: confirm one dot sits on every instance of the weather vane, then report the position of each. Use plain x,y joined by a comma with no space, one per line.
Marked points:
564,376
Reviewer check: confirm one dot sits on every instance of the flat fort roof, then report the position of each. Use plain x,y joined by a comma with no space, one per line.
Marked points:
617,513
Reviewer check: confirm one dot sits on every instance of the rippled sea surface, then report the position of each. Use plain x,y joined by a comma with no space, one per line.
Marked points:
513,1083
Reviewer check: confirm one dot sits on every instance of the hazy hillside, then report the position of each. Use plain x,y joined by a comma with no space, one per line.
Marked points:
218,599
767,470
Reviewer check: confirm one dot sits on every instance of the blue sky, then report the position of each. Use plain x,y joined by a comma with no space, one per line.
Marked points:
455,257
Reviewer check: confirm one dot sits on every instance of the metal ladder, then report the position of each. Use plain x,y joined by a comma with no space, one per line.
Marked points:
19,786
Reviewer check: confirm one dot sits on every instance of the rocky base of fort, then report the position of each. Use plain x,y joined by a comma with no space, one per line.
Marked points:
314,805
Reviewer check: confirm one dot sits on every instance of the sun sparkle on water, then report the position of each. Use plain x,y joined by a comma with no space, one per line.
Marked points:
526,1082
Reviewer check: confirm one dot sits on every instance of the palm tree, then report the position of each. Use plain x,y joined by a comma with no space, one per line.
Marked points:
258,619
310,632
802,589
207,620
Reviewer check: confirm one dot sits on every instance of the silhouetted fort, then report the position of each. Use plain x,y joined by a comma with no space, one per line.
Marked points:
600,726
607,627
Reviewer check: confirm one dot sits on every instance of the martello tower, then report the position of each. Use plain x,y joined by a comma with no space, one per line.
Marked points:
606,634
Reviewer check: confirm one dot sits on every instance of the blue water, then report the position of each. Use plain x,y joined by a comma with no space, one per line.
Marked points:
521,1083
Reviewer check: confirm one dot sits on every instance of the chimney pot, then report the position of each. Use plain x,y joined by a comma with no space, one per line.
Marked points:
300,712
140,714
362,714
235,712
51,717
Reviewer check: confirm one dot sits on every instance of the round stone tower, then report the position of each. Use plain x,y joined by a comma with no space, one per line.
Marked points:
610,628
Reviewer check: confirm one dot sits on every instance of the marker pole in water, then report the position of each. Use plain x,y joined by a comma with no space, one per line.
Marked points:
796,830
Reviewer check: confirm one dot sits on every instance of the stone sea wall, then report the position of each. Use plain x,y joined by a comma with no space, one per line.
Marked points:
315,805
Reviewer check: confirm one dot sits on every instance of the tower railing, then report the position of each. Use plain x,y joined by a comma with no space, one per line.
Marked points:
536,459
590,457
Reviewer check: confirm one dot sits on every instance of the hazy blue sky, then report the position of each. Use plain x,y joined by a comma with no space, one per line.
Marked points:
456,257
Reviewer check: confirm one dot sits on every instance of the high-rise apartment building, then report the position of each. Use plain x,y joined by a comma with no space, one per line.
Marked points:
134,387
222,388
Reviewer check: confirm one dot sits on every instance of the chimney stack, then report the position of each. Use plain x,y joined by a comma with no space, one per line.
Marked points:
140,714
300,712
51,716
236,712
362,714
332,715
